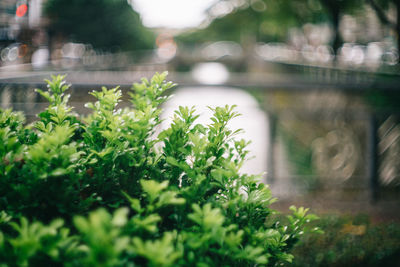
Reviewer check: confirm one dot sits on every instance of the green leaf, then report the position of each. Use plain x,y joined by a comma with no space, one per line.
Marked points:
153,188
148,223
135,203
120,217
169,198
160,252
207,217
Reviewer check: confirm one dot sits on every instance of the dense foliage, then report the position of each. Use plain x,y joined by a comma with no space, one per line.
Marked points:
111,25
107,190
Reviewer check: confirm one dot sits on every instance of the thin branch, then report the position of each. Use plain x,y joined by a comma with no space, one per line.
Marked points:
381,14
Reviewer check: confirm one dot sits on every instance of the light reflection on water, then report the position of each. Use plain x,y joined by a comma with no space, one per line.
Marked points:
210,73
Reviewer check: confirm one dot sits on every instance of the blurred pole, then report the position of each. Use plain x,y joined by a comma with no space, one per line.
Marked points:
397,3
373,157
272,120
35,13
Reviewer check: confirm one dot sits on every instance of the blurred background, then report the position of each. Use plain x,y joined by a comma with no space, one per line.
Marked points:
317,81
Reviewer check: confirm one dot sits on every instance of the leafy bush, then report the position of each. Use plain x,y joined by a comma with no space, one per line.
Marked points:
66,185
350,241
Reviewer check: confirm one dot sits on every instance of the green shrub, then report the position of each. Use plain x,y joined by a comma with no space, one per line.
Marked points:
350,241
66,185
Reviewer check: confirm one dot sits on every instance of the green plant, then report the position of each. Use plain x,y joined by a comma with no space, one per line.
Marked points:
350,241
66,183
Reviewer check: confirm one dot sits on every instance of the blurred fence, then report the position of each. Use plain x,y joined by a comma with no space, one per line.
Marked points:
339,129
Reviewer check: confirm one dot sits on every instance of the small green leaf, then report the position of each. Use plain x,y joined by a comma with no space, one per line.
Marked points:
153,188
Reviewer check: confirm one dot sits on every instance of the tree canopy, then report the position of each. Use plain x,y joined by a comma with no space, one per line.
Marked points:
381,7
106,24
270,20
263,20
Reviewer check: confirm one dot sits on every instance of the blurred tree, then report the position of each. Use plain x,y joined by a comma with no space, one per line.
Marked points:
256,20
270,20
335,9
381,7
106,24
